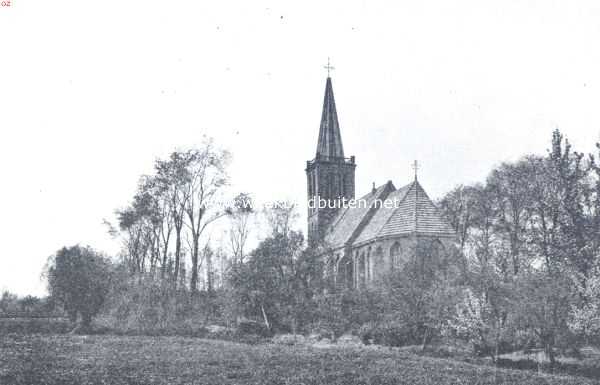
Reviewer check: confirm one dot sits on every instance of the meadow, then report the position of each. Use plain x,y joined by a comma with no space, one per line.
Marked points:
105,359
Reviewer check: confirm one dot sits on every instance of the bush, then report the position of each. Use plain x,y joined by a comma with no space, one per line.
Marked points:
150,306
367,332
34,325
253,328
391,333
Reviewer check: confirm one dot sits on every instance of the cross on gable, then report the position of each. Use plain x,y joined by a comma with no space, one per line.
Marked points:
416,167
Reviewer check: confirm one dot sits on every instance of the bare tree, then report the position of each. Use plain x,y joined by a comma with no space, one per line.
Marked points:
206,177
172,177
239,217
280,217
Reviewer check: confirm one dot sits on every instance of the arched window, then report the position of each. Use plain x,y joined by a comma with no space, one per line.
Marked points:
378,265
395,251
356,270
368,265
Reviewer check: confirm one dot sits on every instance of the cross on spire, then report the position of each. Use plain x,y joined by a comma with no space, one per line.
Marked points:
416,167
328,67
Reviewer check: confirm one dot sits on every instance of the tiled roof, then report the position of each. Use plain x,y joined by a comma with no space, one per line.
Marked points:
414,213
348,220
381,216
330,139
417,214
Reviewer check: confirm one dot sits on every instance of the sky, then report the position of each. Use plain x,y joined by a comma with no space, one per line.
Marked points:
92,92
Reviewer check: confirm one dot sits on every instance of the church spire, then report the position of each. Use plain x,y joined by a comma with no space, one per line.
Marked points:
330,139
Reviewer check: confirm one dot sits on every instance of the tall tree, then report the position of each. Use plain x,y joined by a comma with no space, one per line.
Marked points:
509,185
457,208
207,176
172,179
140,222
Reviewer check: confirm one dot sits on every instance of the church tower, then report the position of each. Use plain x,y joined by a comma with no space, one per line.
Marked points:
330,176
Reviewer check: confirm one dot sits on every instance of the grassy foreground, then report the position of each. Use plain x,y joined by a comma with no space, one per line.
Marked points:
65,359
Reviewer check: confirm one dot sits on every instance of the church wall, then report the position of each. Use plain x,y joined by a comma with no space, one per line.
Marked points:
371,262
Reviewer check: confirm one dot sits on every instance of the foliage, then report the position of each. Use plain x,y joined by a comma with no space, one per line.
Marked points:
481,324
278,282
170,212
37,325
531,238
79,279
420,296
153,306
585,315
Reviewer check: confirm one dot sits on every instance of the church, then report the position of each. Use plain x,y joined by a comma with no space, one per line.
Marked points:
382,230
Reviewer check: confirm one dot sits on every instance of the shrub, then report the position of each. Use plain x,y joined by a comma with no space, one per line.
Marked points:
390,333
254,328
367,332
151,306
34,325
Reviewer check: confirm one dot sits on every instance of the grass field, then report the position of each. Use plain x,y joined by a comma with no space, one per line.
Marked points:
67,359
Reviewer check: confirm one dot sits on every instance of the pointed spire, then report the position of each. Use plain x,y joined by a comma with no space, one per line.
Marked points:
330,139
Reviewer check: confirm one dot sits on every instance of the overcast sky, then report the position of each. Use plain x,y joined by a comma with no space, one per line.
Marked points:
91,92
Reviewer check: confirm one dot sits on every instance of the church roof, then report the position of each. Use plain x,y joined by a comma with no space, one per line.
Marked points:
414,213
330,139
348,220
382,216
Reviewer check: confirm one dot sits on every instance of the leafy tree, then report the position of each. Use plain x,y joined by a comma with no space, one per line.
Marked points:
8,302
457,207
143,224
584,318
79,279
509,191
422,293
278,282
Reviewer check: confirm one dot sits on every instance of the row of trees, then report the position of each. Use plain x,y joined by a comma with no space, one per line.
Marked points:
531,235
12,305
164,225
525,272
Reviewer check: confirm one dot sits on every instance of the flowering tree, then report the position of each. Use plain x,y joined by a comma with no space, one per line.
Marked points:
584,318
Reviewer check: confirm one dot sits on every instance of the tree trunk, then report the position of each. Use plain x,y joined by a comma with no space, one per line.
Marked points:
425,335
209,273
194,279
177,253
262,308
550,354
163,268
